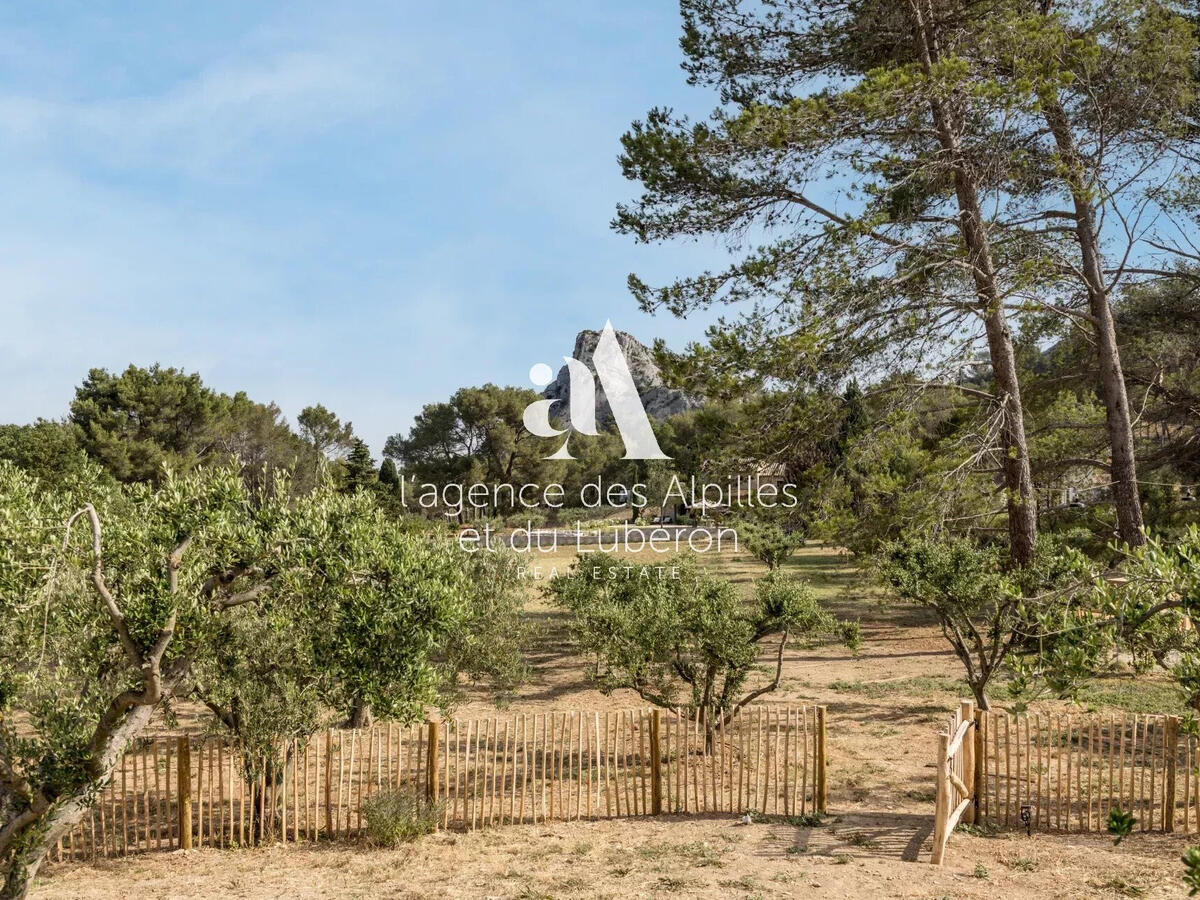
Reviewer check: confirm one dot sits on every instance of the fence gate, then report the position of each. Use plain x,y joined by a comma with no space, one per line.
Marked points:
1065,772
1068,772
956,756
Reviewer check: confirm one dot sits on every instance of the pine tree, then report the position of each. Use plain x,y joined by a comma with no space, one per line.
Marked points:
358,468
388,476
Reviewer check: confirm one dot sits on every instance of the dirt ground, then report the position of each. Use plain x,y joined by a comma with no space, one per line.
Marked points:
886,704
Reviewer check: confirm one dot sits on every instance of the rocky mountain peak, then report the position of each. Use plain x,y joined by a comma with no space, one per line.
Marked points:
659,400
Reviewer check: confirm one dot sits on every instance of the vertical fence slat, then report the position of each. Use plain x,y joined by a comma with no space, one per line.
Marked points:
184,792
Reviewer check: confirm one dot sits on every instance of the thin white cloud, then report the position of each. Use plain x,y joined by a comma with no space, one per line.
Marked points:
226,118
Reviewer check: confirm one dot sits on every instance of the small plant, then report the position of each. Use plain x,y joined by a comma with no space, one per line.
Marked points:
746,883
399,817
1120,824
769,543
981,871
862,839
1191,867
1024,864
701,853
675,883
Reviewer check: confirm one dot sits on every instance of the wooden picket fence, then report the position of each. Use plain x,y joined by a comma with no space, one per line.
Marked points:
1063,773
1067,772
191,791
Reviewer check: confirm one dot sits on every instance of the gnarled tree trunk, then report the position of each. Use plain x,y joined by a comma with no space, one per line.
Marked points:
34,824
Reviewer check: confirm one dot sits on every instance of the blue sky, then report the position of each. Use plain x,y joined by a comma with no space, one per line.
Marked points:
366,207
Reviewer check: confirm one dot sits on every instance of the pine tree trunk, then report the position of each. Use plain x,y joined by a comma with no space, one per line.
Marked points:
1018,475
1130,525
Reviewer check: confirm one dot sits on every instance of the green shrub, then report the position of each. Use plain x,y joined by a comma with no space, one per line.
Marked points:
396,817
1191,867
1120,824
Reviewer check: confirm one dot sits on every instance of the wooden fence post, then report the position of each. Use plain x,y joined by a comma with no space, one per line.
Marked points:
821,785
966,713
978,755
431,779
1171,741
329,784
942,808
184,774
656,761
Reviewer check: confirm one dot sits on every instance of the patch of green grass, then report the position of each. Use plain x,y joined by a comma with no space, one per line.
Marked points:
1136,694
986,830
1023,864
812,820
698,853
981,871
746,883
917,686
653,851
701,854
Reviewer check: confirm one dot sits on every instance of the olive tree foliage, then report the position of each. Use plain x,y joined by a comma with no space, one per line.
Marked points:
270,607
108,595
769,542
355,623
372,619
679,636
1143,609
987,609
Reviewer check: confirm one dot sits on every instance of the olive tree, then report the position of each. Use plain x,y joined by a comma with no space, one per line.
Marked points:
987,607
1143,611
108,596
371,617
769,543
270,607
678,636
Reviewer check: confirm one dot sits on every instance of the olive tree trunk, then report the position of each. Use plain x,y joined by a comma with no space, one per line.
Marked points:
34,824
